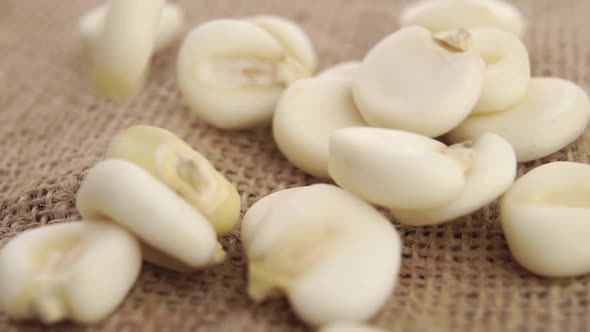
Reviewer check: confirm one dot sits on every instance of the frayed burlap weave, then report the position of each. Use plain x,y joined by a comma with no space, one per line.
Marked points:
455,277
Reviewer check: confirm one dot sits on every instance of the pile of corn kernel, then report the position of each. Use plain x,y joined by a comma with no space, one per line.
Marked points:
430,125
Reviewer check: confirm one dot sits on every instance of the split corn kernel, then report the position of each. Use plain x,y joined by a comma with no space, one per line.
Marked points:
421,82
335,256
421,180
122,52
545,219
126,194
232,72
181,168
553,114
79,271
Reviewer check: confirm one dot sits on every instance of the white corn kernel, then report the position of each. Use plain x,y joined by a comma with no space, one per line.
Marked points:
545,219
349,327
421,180
492,171
396,169
128,195
306,114
420,82
439,15
508,70
232,72
335,256
183,169
553,114
343,70
122,52
169,26
79,271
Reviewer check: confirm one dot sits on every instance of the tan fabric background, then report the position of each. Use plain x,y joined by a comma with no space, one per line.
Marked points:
455,277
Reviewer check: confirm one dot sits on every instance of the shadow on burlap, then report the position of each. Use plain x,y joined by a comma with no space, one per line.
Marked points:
454,277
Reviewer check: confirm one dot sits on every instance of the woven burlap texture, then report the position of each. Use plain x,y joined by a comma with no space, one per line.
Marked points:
454,277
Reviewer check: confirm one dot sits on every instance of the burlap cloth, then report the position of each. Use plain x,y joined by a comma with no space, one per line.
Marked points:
454,277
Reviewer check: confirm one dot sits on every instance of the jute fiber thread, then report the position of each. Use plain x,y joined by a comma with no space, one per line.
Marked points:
454,277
